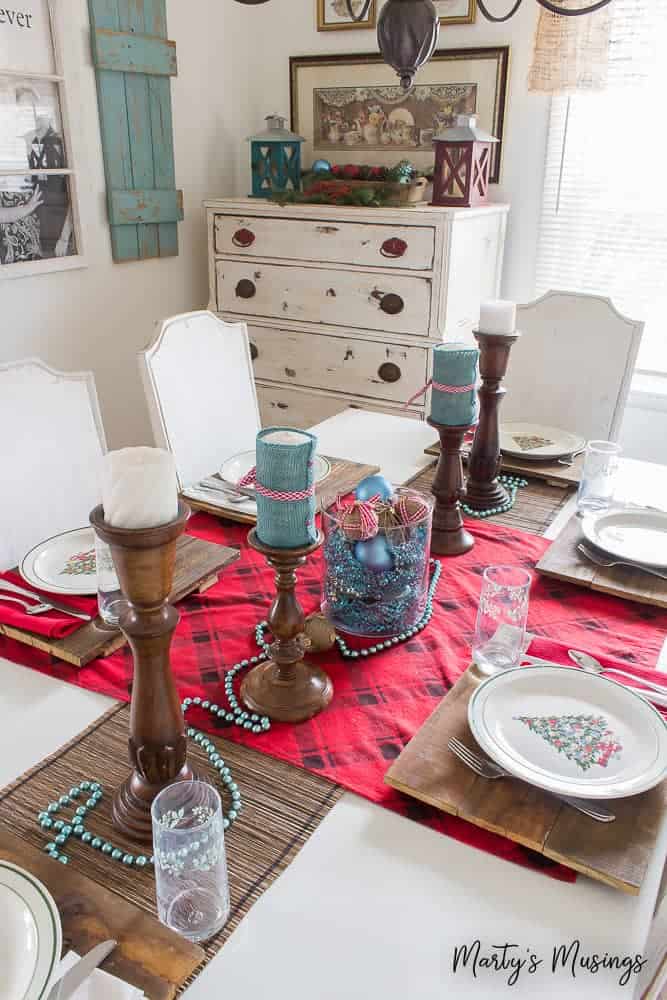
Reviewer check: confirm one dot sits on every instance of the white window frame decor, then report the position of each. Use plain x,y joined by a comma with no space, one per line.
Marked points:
25,268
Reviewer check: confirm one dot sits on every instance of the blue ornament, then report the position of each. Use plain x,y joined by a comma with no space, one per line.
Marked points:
373,486
321,167
374,554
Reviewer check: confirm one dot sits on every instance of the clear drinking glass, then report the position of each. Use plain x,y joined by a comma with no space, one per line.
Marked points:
190,862
110,600
598,481
500,631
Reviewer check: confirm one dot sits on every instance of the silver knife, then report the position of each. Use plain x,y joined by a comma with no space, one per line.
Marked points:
43,599
84,968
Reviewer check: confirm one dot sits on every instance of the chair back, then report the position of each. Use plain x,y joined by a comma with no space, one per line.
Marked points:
50,451
200,389
573,364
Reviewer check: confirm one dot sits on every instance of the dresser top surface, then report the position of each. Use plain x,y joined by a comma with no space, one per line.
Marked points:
422,213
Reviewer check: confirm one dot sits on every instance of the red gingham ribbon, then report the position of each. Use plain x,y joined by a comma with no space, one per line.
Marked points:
454,389
368,519
410,517
283,496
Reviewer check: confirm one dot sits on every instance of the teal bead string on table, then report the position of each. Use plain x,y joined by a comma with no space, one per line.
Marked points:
454,411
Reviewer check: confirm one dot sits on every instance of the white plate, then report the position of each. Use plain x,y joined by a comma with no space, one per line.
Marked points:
535,442
64,564
238,466
31,936
570,732
630,534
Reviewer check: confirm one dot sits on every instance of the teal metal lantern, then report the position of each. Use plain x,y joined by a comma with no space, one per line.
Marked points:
275,159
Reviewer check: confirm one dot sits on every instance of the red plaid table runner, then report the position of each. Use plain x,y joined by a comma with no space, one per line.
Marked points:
379,701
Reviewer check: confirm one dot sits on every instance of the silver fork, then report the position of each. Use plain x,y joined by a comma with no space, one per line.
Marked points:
608,563
488,769
31,609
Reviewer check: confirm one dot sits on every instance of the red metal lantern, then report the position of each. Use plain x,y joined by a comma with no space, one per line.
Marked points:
462,164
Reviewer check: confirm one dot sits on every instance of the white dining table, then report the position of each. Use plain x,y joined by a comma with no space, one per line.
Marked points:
375,905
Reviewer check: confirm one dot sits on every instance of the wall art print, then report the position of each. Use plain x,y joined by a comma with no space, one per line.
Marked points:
334,15
350,108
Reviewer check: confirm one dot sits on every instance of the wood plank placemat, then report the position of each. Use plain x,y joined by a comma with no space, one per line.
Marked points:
535,508
198,565
148,955
282,807
563,561
550,472
617,853
343,478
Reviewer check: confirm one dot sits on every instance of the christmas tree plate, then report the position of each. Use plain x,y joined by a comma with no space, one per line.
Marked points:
64,564
537,442
570,732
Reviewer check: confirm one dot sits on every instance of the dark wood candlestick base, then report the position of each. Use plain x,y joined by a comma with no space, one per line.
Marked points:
483,491
144,560
286,687
448,536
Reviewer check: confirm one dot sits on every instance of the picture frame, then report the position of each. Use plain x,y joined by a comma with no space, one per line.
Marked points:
332,15
456,11
351,109
40,229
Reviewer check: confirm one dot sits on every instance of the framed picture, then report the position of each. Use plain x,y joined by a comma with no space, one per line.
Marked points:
333,15
456,11
351,109
39,226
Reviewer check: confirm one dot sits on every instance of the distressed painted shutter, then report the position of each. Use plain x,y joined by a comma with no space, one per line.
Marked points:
133,62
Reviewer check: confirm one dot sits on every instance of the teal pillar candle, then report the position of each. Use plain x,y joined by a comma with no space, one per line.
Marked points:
285,487
454,401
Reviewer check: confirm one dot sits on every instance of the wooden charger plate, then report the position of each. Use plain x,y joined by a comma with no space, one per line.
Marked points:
617,853
148,956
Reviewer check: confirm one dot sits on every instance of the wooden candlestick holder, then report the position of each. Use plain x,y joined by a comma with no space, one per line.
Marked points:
483,490
448,536
285,687
144,560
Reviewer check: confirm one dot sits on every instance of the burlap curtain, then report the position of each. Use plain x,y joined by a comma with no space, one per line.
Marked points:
571,53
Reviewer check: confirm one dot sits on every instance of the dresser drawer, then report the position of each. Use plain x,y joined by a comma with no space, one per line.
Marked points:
391,302
362,244
284,406
359,367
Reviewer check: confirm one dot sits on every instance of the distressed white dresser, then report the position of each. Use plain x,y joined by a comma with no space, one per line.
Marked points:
342,304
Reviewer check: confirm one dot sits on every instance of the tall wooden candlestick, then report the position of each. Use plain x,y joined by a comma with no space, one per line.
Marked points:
285,687
449,537
483,490
144,560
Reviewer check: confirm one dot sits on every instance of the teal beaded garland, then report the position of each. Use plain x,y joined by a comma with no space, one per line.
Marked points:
512,484
77,829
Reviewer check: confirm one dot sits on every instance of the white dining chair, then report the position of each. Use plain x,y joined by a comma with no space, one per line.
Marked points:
200,389
573,364
51,446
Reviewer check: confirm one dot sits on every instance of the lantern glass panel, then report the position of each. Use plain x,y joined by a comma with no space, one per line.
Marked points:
455,167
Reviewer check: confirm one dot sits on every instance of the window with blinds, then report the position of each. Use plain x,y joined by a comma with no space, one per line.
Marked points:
604,217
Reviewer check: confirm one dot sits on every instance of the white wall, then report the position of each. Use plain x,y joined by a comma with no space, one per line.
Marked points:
100,316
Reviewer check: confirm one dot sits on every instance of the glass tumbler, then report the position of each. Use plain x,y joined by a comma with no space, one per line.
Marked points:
190,862
110,600
500,631
598,480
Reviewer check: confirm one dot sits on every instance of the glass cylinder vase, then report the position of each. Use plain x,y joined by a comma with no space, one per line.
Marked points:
376,585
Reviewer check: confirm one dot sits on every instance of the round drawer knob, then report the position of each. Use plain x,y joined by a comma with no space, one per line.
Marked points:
243,238
393,247
392,304
254,353
245,288
389,372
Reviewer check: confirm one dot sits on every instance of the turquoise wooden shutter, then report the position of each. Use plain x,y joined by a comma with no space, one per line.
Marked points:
133,62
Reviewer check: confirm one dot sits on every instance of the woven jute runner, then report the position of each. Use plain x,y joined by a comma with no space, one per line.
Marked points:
536,504
282,806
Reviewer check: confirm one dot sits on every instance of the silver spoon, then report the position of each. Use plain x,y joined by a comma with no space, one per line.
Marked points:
589,663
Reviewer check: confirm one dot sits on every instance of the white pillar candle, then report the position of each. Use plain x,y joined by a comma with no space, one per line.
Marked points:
139,488
497,316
